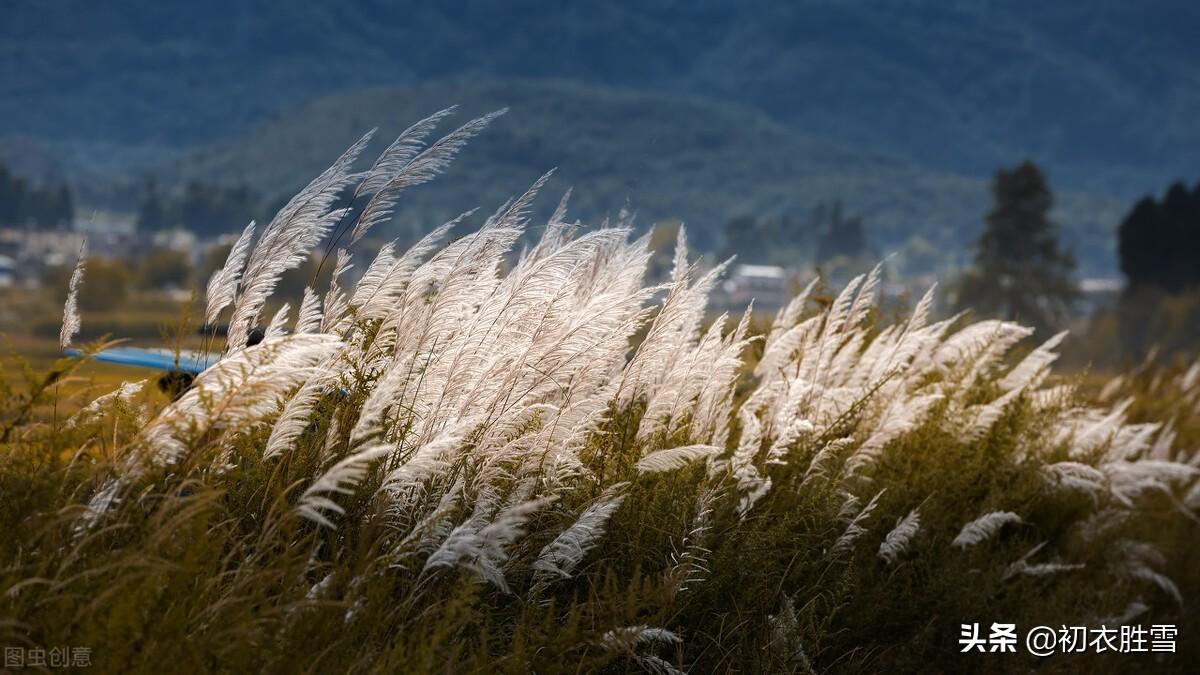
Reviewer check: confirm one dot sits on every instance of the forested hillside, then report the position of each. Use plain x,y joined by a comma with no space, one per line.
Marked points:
1099,92
670,157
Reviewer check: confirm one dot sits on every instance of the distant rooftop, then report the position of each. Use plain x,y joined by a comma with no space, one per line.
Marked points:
1101,285
760,271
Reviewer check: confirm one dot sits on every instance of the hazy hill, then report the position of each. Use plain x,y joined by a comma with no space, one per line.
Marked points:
671,157
1105,93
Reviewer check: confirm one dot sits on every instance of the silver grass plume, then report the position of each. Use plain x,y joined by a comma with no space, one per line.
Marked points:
984,527
1034,367
223,284
295,417
898,539
415,170
239,390
1132,611
1022,566
674,458
387,277
336,305
1075,476
342,478
431,529
70,322
786,638
688,558
481,546
122,396
401,151
276,327
287,240
628,639
1137,561
560,557
308,319
855,529
428,461
751,484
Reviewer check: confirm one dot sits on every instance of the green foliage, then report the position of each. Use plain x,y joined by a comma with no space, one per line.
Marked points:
204,209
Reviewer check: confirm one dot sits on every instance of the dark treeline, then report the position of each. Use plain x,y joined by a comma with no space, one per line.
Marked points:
783,240
210,211
1159,246
206,210
24,203
1159,241
1021,270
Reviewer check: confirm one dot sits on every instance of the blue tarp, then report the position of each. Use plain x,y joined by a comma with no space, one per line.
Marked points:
159,359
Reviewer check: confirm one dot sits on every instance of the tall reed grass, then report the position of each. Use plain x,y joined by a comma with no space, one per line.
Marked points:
464,461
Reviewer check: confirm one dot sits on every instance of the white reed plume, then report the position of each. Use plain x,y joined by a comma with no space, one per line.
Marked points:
670,459
627,639
70,322
296,416
897,541
400,172
240,390
342,478
481,546
308,319
122,396
287,240
1024,568
855,529
1032,370
223,285
984,527
560,557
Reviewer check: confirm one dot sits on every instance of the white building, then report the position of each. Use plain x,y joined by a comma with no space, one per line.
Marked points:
769,286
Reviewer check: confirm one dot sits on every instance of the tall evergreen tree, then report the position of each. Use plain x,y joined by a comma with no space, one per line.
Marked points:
1020,272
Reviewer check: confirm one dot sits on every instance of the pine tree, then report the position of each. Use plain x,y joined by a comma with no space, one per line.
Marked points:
1019,271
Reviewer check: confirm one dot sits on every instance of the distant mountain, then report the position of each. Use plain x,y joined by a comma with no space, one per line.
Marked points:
671,157
1104,93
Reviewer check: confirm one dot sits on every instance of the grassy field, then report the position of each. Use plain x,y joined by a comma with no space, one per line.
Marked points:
473,460
29,327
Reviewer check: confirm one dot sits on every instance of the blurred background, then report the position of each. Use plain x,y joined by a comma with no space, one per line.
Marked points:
1040,159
